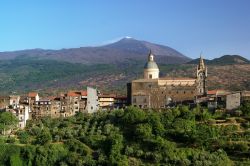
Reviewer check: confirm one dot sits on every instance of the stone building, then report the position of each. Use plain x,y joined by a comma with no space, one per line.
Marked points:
41,108
155,92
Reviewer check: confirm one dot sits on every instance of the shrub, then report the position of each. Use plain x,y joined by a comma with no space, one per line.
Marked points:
11,140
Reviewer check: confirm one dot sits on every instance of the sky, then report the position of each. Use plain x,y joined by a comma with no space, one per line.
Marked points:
213,27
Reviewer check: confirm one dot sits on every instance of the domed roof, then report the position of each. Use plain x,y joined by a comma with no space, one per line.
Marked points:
151,63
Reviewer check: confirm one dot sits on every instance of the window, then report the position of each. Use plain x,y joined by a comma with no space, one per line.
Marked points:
184,92
150,76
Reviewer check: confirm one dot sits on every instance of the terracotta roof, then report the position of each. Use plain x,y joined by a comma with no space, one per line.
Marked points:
73,94
217,92
32,94
51,97
83,93
212,92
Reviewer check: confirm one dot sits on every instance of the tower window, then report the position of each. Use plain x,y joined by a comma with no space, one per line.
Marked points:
150,76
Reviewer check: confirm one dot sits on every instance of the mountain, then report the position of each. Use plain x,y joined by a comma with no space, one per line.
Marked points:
109,68
230,59
122,51
224,60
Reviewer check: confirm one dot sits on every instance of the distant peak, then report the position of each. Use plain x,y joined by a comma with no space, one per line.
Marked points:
128,37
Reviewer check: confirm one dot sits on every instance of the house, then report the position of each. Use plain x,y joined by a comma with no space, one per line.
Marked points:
41,108
106,101
223,99
245,96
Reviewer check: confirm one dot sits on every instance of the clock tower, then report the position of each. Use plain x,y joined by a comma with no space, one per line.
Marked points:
201,76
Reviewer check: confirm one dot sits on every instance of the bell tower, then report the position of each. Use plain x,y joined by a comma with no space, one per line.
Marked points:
201,76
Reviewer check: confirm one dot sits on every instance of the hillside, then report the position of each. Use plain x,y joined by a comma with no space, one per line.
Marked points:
224,60
109,68
177,136
122,51
50,76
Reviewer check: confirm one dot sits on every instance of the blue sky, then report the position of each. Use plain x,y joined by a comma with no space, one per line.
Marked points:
215,27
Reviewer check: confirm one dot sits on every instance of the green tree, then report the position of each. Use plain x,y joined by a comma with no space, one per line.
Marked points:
23,137
44,137
143,131
245,108
7,121
133,115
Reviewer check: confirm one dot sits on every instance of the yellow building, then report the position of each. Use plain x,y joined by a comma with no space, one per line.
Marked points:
106,101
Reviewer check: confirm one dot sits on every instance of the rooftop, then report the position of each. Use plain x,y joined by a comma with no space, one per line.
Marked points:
32,94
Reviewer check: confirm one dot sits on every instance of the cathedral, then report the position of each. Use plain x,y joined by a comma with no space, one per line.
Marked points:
155,92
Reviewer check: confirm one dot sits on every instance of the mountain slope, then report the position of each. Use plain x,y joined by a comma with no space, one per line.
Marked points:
224,60
122,51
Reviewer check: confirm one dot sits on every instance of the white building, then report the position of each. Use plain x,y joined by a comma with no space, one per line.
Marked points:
92,100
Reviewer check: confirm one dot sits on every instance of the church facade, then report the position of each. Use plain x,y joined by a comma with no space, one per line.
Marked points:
155,92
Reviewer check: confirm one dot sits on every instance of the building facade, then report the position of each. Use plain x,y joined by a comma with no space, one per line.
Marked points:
155,92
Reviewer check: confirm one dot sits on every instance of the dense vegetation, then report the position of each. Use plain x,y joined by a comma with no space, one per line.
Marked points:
177,136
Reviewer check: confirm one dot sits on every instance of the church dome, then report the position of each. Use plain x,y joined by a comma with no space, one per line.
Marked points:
151,70
151,63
